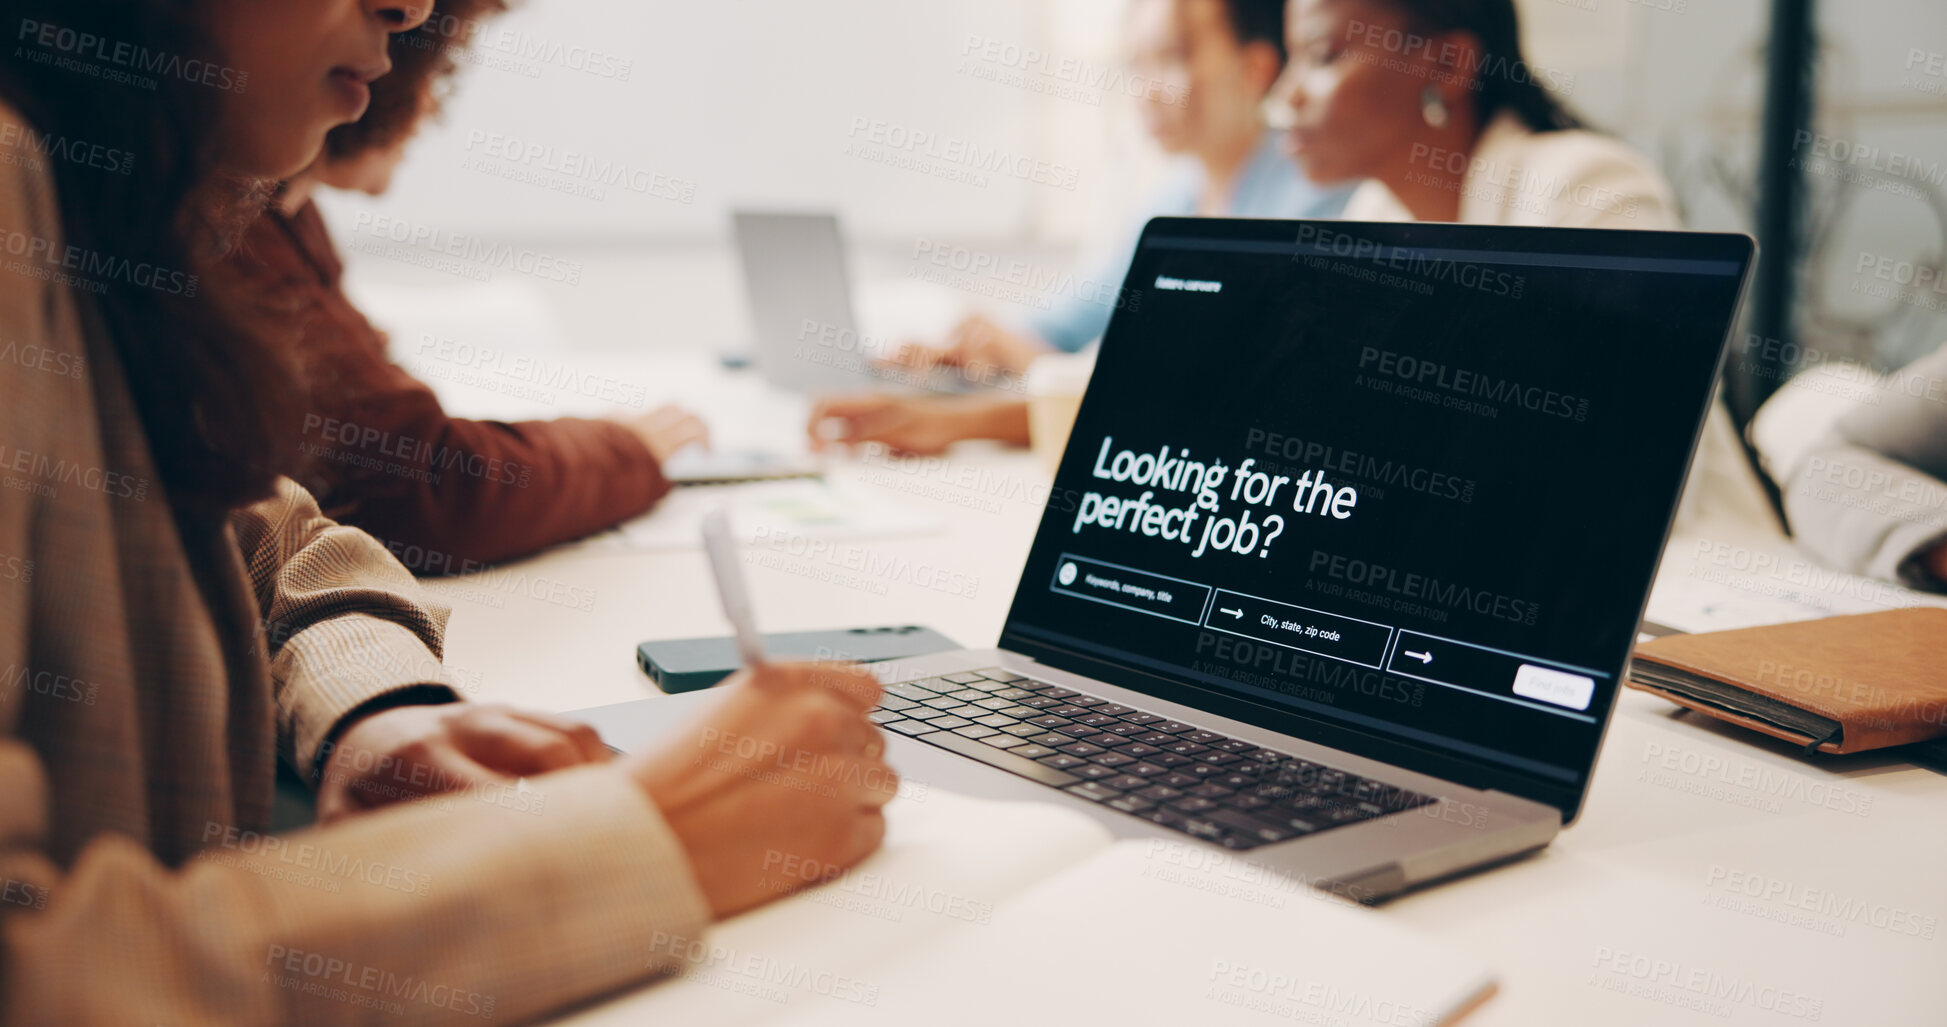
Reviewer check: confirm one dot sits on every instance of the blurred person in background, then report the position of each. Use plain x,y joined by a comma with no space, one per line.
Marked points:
1208,66
1870,496
177,619
1433,104
462,493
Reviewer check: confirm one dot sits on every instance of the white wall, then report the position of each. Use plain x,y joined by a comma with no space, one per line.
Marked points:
749,101
1683,79
755,102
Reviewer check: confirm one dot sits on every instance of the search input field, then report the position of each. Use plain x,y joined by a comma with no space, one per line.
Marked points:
1299,627
1131,589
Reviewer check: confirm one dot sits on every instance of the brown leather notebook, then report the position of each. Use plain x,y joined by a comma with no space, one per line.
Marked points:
1840,684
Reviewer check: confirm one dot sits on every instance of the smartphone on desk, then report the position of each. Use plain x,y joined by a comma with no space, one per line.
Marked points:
687,664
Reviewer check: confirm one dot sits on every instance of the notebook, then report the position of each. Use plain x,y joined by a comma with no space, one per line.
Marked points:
1838,684
983,912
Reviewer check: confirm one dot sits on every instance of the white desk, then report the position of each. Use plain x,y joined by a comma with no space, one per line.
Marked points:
1638,914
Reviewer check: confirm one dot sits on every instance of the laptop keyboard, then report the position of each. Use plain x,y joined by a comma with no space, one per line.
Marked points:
1219,789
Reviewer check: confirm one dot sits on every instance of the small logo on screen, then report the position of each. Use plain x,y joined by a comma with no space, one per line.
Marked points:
1168,284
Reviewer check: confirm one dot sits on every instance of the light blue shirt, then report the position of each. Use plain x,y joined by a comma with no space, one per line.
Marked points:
1269,187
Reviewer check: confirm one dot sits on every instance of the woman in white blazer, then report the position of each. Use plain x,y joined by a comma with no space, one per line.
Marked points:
1433,104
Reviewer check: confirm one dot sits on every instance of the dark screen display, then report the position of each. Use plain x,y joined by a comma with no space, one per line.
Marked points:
1411,480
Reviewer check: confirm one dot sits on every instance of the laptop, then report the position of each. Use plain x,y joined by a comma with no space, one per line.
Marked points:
1347,551
800,297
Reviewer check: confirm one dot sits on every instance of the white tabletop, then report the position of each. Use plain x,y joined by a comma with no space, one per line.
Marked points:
1714,877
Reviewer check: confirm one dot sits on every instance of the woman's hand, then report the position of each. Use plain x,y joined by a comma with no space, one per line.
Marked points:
410,752
978,345
1936,561
788,772
917,424
667,429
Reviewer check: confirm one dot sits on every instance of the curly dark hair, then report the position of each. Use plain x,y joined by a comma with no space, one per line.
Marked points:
421,60
214,398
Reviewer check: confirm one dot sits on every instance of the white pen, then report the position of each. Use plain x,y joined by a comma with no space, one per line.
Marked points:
722,550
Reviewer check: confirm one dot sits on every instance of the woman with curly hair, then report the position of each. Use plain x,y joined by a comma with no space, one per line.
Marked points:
177,619
465,493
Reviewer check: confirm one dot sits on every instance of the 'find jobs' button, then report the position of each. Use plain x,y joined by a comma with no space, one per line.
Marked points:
1554,686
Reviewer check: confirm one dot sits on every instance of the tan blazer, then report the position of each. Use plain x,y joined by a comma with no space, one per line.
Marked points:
140,725
1517,176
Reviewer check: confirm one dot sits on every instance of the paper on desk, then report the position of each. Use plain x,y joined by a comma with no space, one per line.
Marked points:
1162,931
981,912
1728,577
949,860
798,508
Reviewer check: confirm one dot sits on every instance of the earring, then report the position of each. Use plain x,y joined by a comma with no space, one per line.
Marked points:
1433,108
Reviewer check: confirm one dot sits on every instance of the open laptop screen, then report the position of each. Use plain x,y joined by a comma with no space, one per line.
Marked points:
1395,488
